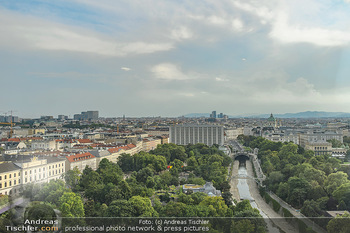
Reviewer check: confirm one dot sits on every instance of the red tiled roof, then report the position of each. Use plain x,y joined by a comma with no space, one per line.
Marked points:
79,157
84,141
13,140
131,146
116,149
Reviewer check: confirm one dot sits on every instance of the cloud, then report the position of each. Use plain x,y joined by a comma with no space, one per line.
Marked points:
216,20
168,71
125,68
237,24
34,33
221,79
287,33
181,33
292,25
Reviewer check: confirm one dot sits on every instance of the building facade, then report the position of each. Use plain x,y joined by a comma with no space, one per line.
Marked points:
15,174
192,134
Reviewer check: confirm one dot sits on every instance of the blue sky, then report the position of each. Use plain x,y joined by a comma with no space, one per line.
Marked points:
169,58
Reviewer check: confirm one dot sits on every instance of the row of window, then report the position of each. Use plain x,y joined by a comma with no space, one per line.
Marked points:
10,183
26,173
320,148
13,191
10,175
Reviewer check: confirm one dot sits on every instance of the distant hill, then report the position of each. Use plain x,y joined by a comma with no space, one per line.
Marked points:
307,114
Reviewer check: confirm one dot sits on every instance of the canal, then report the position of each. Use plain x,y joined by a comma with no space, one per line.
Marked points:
244,193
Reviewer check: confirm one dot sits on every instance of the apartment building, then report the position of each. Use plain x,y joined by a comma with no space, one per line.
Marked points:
192,134
81,161
16,173
318,136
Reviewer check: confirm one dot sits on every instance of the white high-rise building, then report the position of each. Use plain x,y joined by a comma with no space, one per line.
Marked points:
192,134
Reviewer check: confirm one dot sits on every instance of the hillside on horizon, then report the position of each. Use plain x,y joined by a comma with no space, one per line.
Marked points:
306,114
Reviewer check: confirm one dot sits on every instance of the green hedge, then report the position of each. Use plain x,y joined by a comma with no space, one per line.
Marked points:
276,205
286,213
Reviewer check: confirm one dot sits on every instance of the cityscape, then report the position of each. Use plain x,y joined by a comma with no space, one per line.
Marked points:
175,116
262,168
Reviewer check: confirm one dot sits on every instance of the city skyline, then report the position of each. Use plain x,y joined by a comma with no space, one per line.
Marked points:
169,59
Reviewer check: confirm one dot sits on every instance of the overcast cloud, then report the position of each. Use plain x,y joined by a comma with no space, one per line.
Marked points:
170,58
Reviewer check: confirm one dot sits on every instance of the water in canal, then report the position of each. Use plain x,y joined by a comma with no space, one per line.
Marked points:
244,193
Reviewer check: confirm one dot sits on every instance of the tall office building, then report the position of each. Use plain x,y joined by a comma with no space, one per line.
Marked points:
213,114
89,115
192,134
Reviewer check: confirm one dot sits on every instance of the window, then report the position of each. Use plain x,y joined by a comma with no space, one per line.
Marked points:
30,172
39,169
9,176
59,165
10,183
0,185
5,177
25,180
14,174
0,177
5,184
19,181
25,173
14,182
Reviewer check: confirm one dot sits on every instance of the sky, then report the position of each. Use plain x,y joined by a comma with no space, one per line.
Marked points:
171,58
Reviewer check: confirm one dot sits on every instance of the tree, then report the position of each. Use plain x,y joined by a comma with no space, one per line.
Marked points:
89,179
40,211
51,192
339,224
297,191
109,172
218,204
142,207
72,177
175,209
342,194
288,149
243,226
335,143
311,209
334,180
71,205
347,156
192,163
120,208
126,162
